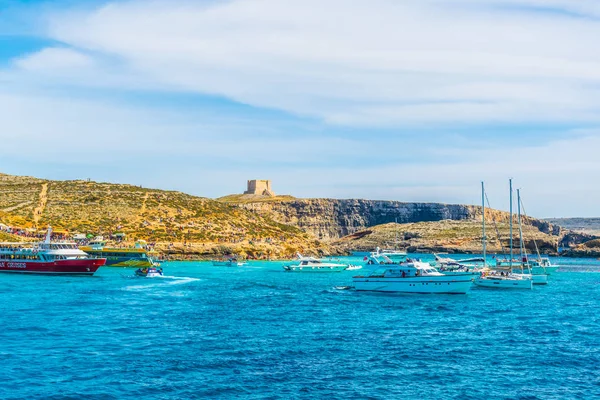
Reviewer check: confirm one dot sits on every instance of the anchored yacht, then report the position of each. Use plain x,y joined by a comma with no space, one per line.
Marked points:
311,264
410,276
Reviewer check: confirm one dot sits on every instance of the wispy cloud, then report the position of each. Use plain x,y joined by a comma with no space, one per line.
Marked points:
361,63
389,99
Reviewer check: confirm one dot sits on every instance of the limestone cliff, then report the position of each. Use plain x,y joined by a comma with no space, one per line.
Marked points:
330,219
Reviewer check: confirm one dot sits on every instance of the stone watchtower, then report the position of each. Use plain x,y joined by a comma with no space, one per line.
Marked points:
260,188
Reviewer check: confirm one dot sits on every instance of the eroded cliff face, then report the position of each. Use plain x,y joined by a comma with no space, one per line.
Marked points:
330,219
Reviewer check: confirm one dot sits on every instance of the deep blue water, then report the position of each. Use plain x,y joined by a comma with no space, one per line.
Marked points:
259,332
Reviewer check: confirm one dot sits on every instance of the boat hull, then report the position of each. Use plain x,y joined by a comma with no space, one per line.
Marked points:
149,274
295,268
538,279
457,284
453,273
504,283
228,264
61,267
544,270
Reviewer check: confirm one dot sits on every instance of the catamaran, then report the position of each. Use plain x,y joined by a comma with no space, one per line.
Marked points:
47,257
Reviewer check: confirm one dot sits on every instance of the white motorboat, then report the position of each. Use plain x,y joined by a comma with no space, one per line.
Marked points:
542,265
450,266
228,263
394,255
410,276
311,264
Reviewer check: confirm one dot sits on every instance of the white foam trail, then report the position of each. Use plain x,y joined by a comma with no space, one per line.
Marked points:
169,280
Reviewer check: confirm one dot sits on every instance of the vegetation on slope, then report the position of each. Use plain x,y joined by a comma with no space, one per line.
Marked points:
177,221
446,236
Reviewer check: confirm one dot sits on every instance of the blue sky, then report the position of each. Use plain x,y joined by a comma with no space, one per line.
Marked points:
380,99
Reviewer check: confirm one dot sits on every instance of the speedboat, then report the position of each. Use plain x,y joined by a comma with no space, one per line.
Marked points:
228,263
151,272
410,276
311,264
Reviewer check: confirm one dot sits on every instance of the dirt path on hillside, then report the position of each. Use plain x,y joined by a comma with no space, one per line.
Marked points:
37,212
140,216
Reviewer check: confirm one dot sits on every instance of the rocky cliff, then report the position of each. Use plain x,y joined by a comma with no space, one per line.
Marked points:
330,219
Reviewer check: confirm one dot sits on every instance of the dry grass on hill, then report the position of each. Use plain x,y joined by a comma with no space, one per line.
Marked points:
189,223
453,236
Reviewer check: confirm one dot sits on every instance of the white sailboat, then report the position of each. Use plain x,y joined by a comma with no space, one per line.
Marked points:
490,278
526,271
539,265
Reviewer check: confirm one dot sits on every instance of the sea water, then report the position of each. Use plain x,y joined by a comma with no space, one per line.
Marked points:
260,332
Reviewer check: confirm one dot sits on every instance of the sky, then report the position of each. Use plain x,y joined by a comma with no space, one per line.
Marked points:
409,100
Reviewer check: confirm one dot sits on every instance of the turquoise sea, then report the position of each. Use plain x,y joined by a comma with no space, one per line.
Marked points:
258,332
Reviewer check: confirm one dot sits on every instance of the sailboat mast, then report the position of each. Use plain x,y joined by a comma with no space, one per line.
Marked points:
511,222
483,239
521,246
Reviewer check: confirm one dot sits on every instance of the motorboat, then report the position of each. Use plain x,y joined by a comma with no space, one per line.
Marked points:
409,276
149,272
542,265
311,264
228,263
450,266
394,255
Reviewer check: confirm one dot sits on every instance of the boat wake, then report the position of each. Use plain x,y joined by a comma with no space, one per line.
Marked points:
343,287
162,281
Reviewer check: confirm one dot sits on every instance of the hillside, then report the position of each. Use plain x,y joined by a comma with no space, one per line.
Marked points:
445,236
177,222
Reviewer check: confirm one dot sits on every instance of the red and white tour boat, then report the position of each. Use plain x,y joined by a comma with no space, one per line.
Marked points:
47,257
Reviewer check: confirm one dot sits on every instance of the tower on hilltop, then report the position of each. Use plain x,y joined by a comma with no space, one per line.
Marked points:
259,187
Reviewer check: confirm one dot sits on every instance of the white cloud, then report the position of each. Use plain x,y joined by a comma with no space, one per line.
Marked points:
52,58
363,62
